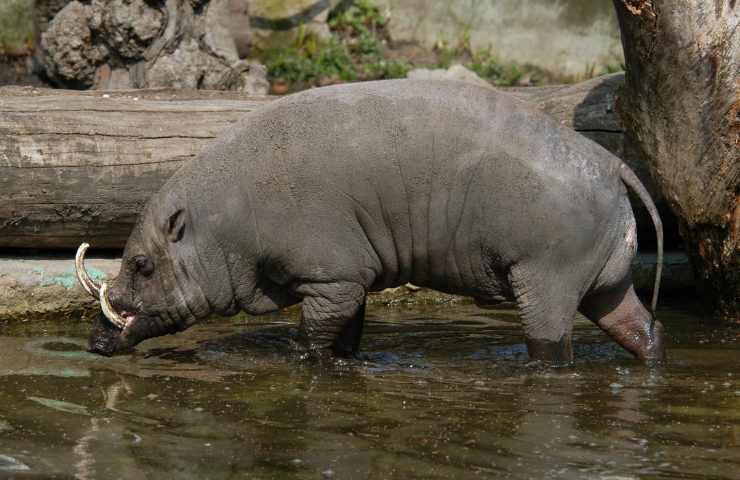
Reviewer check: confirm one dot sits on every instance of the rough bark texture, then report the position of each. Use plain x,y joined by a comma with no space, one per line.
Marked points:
681,106
78,166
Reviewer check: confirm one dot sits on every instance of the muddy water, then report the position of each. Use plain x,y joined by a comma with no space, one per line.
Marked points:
438,393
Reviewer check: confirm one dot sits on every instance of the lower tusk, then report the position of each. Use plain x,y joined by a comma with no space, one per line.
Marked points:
108,310
82,275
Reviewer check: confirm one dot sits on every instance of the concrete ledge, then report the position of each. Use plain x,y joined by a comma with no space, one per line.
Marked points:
33,288
47,288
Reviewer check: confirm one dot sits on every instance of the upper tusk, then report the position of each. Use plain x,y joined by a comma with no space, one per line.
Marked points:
108,310
82,275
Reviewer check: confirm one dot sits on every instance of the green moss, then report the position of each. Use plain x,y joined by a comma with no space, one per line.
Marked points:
356,50
485,64
362,14
16,26
360,48
611,68
362,28
489,68
386,68
310,60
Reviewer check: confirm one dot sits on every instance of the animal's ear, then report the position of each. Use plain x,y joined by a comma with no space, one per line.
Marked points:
176,226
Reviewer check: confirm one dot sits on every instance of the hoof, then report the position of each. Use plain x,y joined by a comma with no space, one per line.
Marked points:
654,352
553,353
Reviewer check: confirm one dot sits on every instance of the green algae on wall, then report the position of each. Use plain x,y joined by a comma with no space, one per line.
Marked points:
68,279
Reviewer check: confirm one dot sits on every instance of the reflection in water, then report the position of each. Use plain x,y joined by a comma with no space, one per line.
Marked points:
84,468
10,464
436,393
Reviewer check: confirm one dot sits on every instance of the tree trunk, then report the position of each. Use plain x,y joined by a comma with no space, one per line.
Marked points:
681,107
78,166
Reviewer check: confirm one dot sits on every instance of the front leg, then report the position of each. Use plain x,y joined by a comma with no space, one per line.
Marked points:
332,315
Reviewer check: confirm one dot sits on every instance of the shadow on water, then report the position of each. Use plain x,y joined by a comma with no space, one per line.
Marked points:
436,393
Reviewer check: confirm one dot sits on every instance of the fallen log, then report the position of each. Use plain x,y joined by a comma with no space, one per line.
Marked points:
79,165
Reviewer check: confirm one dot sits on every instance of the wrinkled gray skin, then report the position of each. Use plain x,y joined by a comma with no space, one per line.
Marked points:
328,194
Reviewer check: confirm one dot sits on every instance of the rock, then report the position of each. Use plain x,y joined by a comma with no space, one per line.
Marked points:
412,288
456,73
112,79
255,80
43,12
123,44
190,67
68,54
218,30
186,67
130,26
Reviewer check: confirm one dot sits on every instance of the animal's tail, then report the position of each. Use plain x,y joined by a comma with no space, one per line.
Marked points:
631,180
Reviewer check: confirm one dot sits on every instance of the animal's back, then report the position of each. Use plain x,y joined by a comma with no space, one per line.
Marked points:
424,169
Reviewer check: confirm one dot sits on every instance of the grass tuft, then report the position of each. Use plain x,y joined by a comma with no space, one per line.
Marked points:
16,27
356,50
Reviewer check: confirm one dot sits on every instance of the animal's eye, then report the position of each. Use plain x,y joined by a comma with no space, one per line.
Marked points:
144,265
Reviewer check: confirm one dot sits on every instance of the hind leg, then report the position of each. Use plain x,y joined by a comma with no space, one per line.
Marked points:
348,342
622,316
548,309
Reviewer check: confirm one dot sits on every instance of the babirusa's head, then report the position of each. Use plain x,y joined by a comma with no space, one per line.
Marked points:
165,283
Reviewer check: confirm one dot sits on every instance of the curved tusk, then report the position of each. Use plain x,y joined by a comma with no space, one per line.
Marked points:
108,310
82,275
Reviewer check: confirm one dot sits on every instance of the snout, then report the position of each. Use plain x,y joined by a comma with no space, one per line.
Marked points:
123,323
107,339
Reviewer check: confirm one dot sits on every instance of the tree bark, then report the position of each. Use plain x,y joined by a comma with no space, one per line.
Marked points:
78,166
681,108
